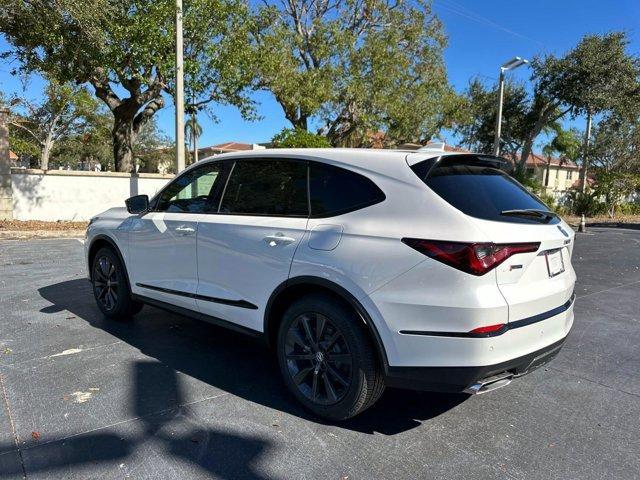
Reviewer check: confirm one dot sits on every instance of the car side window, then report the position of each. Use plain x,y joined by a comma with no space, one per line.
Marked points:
267,187
335,191
190,193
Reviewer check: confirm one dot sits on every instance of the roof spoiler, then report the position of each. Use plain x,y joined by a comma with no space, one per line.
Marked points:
432,162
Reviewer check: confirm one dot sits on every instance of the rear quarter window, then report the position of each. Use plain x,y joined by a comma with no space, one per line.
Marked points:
479,189
335,191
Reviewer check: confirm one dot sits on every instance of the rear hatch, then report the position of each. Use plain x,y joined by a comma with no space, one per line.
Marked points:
532,283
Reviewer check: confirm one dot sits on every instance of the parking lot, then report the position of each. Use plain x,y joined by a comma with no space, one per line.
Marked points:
169,397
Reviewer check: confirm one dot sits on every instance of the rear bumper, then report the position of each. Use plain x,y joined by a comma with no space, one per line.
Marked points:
459,379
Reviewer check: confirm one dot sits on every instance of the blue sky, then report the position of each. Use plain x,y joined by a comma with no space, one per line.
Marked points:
482,35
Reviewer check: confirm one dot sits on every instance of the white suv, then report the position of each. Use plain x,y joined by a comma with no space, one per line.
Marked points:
362,268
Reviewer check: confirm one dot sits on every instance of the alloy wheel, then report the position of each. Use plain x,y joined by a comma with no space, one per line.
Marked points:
318,358
105,282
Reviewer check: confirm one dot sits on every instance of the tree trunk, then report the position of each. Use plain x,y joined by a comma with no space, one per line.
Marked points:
123,138
46,152
47,145
526,151
585,155
546,183
195,149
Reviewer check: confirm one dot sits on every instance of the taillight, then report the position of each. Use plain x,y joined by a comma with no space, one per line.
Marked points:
473,258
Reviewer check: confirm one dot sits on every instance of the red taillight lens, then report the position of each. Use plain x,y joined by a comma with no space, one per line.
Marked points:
473,258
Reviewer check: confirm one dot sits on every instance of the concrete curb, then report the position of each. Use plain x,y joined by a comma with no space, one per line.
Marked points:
31,234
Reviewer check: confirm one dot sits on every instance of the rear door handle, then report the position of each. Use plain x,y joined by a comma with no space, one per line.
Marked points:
185,230
278,239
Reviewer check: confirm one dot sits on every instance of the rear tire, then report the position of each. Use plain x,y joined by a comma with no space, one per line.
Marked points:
327,359
111,286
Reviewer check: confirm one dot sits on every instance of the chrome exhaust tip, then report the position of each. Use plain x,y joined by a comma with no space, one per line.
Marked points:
490,383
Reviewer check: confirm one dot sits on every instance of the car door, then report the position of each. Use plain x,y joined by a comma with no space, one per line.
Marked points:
162,245
246,248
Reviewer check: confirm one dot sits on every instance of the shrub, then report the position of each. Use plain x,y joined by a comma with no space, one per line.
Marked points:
586,203
628,209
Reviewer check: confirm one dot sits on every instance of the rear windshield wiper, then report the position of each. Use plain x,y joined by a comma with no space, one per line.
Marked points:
544,215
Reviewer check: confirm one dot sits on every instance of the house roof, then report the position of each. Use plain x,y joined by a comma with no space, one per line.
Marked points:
12,155
537,160
226,147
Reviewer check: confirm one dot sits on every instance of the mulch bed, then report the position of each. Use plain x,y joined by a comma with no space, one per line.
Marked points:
37,225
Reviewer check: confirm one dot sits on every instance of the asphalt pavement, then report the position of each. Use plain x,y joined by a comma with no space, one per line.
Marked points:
167,397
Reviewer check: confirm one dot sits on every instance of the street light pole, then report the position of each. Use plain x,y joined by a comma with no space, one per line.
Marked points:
498,129
179,96
510,65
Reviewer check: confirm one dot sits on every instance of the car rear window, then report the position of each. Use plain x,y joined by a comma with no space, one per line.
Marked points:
478,188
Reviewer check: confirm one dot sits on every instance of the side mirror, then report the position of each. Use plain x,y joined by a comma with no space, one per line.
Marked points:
137,204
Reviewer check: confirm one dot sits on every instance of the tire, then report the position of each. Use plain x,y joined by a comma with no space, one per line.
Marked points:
338,376
111,286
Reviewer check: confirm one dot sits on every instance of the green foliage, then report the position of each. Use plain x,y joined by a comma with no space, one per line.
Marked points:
528,180
596,76
628,208
610,195
92,146
24,145
613,188
616,144
127,46
478,127
586,203
153,148
192,129
358,67
65,110
565,143
298,138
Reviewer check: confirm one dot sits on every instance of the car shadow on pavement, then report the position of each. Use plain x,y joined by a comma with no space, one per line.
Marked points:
229,361
157,399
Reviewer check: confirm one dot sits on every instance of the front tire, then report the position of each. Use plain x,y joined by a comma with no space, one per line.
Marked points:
327,359
111,286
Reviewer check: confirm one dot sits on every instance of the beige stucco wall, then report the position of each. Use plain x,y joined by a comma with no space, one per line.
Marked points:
75,195
558,181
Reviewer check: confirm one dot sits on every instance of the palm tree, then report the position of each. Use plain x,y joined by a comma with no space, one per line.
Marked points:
193,130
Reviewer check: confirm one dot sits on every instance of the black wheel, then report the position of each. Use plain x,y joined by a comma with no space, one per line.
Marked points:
327,359
111,287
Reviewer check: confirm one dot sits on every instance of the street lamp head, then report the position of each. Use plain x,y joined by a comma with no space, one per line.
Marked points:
513,63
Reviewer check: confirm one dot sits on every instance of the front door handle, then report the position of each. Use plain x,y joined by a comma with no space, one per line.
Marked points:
185,230
278,239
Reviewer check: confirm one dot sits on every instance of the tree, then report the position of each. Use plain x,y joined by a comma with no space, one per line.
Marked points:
298,138
476,129
595,77
356,66
65,110
565,143
153,149
614,188
616,144
193,131
125,50
89,147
